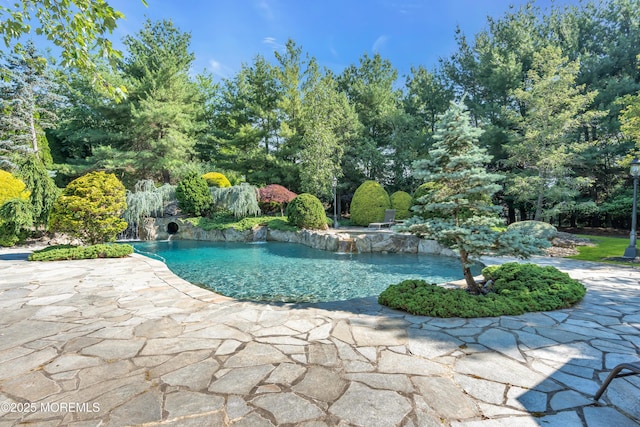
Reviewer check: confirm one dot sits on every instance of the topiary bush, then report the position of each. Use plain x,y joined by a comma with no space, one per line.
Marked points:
216,179
194,197
70,252
539,229
90,208
306,211
369,203
401,201
515,289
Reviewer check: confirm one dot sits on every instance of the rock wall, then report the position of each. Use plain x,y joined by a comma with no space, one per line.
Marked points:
383,242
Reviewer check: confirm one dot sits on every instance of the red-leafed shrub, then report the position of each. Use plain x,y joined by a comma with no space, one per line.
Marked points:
275,196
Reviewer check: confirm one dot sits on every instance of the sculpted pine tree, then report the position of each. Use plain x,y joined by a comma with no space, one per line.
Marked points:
460,212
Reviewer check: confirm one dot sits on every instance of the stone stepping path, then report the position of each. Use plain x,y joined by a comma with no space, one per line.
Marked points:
125,342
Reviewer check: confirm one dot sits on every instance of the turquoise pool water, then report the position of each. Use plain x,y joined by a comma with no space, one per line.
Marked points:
288,272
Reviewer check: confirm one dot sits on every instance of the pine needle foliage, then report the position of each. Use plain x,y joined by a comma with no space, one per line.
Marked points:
241,200
458,212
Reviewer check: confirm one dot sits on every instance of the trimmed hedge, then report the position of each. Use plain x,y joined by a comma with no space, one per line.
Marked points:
71,252
516,289
306,211
216,179
369,203
401,201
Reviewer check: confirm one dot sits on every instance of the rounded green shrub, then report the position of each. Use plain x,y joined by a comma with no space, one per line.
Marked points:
401,201
194,197
514,289
369,203
306,211
90,208
538,229
216,179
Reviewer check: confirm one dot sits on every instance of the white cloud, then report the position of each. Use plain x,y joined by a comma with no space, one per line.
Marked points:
379,43
219,70
265,8
273,42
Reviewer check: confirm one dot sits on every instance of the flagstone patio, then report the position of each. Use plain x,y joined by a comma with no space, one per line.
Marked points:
125,342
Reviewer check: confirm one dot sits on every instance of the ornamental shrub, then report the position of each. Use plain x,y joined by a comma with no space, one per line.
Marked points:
401,201
306,211
90,208
216,179
539,229
515,289
194,197
241,200
369,203
70,252
11,187
274,196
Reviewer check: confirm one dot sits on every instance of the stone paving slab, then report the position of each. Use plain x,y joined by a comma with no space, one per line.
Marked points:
125,342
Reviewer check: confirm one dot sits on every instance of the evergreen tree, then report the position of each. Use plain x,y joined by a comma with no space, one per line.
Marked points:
165,103
27,105
460,212
552,106
330,124
370,88
43,190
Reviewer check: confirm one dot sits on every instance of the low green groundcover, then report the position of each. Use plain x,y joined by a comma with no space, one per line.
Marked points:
515,289
69,252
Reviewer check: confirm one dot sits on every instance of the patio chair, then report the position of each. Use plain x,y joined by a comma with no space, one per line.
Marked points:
389,219
634,367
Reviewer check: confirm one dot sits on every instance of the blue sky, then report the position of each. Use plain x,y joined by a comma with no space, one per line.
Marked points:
227,33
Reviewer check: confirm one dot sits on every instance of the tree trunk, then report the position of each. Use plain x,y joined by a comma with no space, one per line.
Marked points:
166,176
523,212
511,213
34,135
538,215
468,276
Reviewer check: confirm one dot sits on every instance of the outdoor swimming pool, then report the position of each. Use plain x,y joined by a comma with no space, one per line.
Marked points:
288,272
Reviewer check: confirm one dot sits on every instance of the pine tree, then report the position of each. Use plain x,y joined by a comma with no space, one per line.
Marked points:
42,187
27,95
460,212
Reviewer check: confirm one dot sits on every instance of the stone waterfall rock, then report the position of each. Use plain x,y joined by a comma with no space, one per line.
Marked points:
380,242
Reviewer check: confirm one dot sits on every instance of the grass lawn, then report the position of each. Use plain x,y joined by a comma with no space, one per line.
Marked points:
606,247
